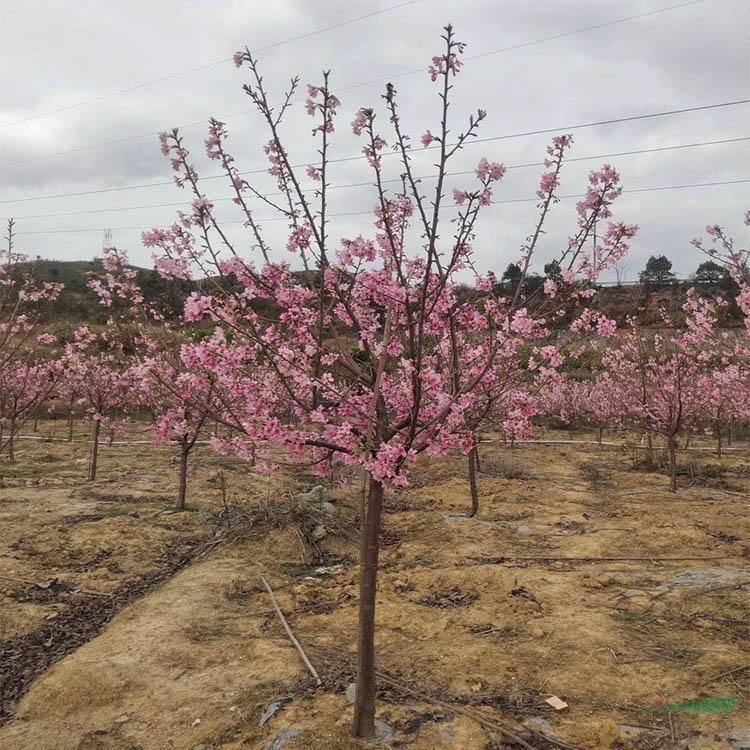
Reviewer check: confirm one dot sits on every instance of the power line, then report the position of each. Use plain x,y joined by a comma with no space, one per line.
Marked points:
522,45
593,157
365,213
205,66
414,71
507,136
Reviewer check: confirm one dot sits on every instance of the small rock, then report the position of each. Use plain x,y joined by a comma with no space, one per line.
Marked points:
329,508
739,739
447,736
195,723
539,722
122,719
630,731
281,740
316,495
271,710
382,731
524,530
319,532
351,693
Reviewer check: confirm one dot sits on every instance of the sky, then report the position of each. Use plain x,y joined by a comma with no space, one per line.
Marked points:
86,86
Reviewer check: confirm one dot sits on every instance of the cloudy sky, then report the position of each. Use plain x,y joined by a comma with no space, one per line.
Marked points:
83,95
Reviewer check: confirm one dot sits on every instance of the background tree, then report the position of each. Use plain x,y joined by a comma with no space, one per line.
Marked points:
512,276
658,270
710,272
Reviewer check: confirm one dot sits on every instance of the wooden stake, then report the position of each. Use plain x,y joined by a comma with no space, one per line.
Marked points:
296,643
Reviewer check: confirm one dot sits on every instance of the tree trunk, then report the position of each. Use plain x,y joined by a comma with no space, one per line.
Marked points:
182,491
70,426
11,435
730,432
364,704
36,423
672,445
473,483
599,436
718,441
476,455
649,448
94,450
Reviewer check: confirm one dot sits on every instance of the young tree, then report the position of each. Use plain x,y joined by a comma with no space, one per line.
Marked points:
369,358
27,378
104,382
24,386
723,249
181,398
658,380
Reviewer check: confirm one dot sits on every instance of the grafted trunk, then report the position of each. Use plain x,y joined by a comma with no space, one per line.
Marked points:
94,450
182,490
364,704
649,448
473,482
718,441
11,437
672,445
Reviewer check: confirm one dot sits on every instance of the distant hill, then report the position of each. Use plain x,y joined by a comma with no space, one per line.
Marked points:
78,304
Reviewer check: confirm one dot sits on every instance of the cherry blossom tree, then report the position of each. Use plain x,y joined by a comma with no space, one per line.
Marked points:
369,358
181,400
26,377
726,389
658,380
722,248
104,382
24,386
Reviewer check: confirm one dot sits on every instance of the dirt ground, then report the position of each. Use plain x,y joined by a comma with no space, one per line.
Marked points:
582,578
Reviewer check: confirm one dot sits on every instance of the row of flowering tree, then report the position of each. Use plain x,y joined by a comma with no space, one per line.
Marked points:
362,351
671,382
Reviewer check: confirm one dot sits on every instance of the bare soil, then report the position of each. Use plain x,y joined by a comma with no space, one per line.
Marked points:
582,577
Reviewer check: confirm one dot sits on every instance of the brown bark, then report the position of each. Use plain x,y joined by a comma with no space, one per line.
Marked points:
182,490
672,445
473,483
718,441
364,704
11,436
94,450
